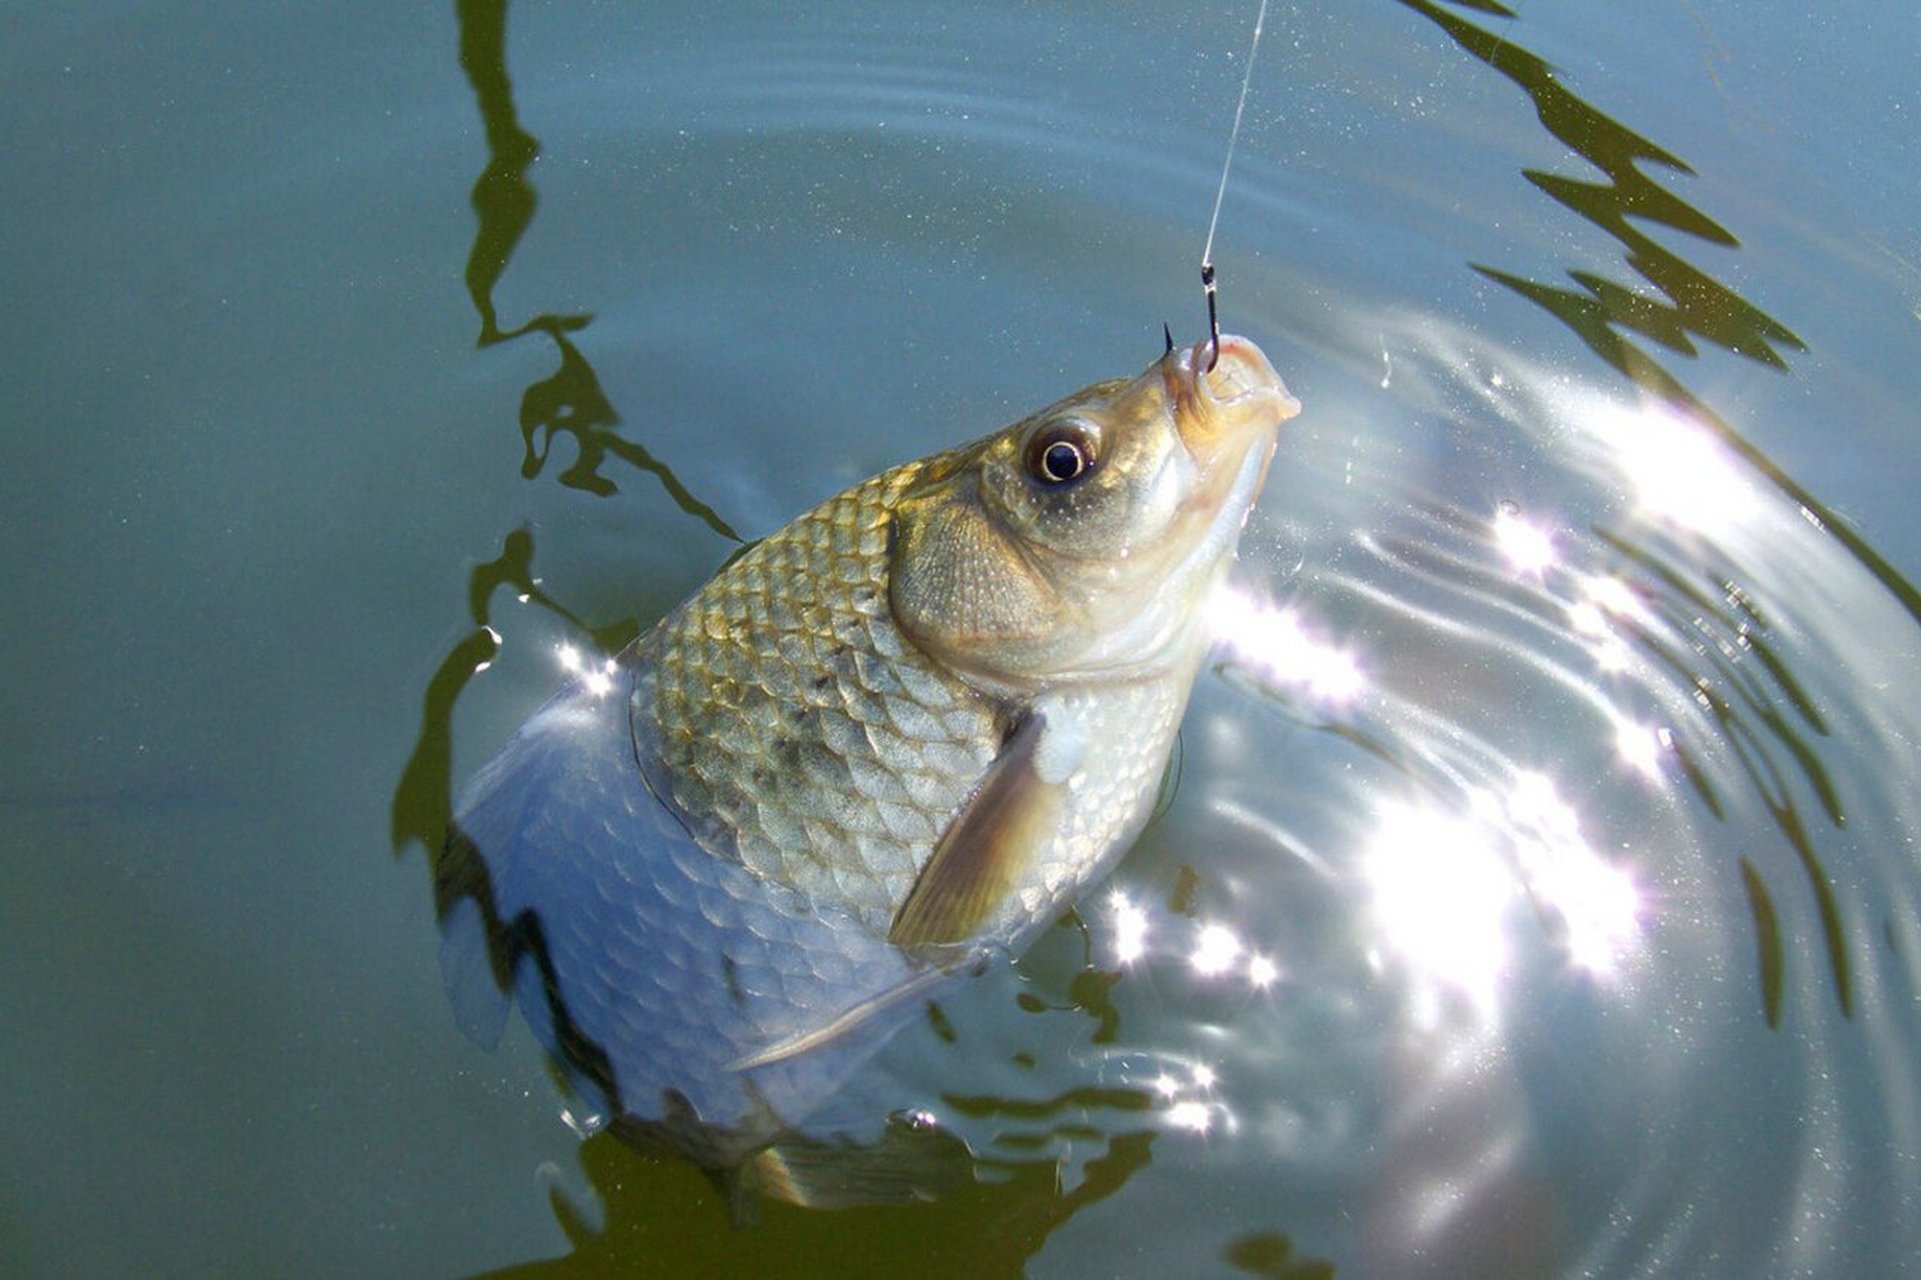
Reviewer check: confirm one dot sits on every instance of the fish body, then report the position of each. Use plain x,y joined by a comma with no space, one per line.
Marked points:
889,741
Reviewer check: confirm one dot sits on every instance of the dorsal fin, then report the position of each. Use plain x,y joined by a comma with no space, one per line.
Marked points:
986,848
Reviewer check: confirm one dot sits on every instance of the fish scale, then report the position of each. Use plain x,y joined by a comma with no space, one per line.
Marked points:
862,747
629,909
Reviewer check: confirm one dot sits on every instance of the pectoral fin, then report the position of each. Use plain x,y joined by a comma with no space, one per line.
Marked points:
986,848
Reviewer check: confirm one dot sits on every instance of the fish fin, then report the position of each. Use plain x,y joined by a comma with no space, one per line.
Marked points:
985,848
861,1013
910,1164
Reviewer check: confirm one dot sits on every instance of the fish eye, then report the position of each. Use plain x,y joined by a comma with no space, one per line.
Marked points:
1060,453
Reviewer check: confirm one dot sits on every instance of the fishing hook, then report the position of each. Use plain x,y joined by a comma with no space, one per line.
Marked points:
1213,316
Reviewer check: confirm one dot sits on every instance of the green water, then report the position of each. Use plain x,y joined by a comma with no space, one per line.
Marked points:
354,349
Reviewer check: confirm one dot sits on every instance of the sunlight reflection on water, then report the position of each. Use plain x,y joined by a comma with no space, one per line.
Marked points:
1275,643
597,677
1678,472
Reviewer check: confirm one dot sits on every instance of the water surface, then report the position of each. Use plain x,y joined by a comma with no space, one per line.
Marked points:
1539,891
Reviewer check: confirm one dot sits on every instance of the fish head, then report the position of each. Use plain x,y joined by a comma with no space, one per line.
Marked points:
1079,543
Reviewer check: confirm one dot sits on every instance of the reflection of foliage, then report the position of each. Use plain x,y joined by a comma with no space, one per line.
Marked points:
1089,991
1709,653
1606,316
1767,937
1271,1254
1696,302
423,805
664,1219
1084,1098
503,199
570,401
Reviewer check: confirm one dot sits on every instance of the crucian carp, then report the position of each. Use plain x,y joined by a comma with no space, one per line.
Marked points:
891,741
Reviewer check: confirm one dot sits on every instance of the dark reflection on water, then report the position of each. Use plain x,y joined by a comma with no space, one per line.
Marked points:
1767,941
423,800
571,401
503,198
1271,1255
1695,303
1707,642
661,1220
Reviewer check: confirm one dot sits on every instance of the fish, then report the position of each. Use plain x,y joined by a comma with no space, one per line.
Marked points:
877,752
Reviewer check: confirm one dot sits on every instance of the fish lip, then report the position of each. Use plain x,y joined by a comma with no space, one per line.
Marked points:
1242,384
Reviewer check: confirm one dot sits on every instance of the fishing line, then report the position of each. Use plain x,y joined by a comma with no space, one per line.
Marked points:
1234,136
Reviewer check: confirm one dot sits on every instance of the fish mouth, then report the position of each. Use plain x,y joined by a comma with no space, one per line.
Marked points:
1228,395
1227,419
1229,412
